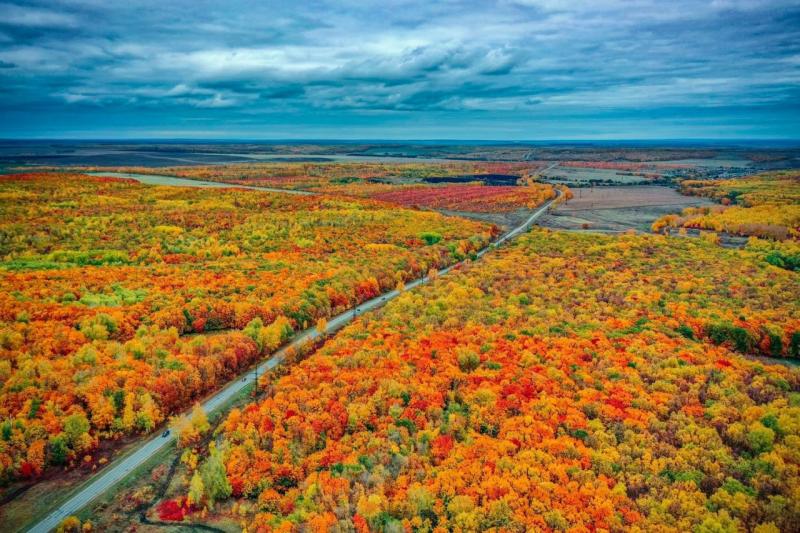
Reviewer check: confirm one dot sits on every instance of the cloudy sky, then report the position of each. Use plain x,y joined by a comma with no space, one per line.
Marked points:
513,69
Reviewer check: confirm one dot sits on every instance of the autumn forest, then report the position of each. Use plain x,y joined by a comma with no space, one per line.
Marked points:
504,266
559,380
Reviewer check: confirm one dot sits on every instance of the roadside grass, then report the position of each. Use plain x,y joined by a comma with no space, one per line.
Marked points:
136,478
104,511
23,512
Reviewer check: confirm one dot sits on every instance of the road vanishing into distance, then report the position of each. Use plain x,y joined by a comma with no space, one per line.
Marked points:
119,469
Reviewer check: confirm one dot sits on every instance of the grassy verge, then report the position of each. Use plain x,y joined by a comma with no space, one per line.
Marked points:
24,511
106,512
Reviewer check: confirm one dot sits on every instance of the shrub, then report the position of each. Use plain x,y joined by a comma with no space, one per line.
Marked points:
739,338
781,260
430,237
171,511
59,449
794,345
760,438
98,327
686,331
775,344
70,524
468,360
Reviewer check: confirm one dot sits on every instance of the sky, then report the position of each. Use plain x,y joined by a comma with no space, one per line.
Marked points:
400,69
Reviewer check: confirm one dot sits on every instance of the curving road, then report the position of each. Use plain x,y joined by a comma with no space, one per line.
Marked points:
119,470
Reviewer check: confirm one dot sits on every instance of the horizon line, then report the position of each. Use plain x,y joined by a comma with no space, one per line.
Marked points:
331,140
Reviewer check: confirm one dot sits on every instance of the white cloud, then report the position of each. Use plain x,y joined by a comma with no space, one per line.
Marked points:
12,14
508,55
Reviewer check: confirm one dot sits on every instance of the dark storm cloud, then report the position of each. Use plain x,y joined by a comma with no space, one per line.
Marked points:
470,65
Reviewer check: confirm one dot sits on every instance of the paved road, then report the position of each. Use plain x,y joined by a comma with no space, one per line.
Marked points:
117,471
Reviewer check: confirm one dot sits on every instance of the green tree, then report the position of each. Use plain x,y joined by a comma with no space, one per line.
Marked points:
199,419
59,449
430,237
468,360
760,438
214,476
196,489
74,427
253,330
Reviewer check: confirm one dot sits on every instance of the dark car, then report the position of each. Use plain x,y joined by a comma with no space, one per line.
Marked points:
165,434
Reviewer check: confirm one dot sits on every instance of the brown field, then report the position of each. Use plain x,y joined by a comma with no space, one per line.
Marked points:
619,197
616,209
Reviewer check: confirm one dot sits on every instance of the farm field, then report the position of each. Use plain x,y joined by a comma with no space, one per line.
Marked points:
618,209
564,382
107,283
585,176
765,205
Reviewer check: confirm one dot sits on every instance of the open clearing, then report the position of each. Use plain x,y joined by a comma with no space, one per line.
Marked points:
586,176
616,209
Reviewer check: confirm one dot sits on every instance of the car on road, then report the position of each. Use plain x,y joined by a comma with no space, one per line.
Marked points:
165,434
